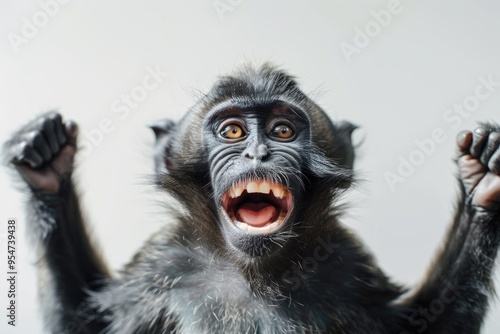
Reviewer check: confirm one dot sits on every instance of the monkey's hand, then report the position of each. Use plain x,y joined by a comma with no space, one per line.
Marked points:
479,165
43,152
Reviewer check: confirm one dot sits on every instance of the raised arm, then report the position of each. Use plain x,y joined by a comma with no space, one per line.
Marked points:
454,297
42,153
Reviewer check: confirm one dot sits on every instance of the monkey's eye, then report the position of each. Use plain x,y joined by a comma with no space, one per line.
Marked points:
232,131
283,132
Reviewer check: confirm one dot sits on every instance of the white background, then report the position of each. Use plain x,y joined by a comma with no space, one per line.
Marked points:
397,89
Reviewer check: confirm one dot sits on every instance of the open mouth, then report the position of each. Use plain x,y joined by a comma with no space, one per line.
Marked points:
258,206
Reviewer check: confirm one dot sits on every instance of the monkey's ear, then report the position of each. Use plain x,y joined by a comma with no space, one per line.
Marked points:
346,127
163,130
162,127
343,139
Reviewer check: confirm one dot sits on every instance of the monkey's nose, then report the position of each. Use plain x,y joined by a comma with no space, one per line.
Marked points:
256,152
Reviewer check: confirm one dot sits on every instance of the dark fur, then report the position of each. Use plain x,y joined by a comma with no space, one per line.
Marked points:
189,279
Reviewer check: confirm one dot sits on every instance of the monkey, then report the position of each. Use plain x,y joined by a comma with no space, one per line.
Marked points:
255,244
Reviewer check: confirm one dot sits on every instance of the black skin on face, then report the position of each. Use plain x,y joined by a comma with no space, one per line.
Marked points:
256,152
203,274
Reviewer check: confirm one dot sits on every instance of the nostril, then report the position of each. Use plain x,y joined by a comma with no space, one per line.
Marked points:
263,152
259,152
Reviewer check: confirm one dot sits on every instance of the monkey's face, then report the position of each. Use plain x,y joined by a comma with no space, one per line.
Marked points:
255,155
268,163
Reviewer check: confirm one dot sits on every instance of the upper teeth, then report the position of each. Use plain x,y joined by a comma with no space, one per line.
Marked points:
258,186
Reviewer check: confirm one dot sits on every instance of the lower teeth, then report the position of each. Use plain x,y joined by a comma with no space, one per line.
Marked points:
247,228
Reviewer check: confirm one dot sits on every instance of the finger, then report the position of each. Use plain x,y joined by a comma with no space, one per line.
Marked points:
28,156
71,130
49,135
464,139
40,145
494,163
59,129
490,147
479,137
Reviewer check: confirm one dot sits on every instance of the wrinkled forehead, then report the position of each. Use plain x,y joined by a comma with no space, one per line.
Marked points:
245,108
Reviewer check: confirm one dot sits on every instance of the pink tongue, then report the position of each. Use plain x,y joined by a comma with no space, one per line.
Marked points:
256,214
